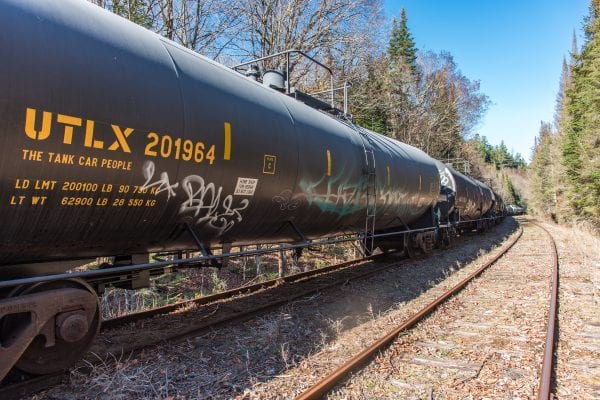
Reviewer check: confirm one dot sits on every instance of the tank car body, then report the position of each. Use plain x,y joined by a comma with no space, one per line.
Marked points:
463,197
474,203
469,199
115,140
487,198
499,208
513,209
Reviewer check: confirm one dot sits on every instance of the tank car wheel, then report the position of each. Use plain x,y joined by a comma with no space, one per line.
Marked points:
449,237
444,239
409,250
73,337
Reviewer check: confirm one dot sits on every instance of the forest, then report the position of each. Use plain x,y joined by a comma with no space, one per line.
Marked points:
419,97
565,168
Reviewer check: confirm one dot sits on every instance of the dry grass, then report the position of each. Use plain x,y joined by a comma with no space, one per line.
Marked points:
277,354
578,351
122,378
194,283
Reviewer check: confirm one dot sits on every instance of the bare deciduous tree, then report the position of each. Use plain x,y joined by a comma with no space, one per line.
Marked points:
206,26
434,109
450,105
331,30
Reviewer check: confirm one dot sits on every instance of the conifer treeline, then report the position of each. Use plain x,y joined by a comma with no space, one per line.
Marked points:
420,98
565,170
497,155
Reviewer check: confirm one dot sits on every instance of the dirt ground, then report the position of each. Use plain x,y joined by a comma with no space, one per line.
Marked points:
278,354
486,342
578,351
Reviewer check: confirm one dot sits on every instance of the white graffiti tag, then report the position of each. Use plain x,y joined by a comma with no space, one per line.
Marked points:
204,200
162,184
286,201
207,202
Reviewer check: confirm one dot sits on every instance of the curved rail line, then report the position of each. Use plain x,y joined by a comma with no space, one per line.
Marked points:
36,384
327,383
545,386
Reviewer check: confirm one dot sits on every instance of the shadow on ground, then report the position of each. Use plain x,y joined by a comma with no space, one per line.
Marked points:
226,361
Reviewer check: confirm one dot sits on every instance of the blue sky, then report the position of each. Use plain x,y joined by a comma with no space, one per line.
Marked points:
514,48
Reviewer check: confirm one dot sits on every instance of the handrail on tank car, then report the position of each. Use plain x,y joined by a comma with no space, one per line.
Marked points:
287,54
347,85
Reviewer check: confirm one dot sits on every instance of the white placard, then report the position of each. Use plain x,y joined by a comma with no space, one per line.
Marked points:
245,187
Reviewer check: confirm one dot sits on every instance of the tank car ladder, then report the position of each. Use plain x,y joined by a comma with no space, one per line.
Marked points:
368,239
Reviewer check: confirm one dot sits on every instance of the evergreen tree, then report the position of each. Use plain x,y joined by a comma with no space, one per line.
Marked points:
581,144
484,149
501,157
498,155
394,45
574,49
369,109
562,94
399,81
543,200
561,212
512,194
402,48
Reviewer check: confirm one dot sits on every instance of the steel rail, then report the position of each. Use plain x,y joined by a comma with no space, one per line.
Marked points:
327,383
245,290
545,385
33,385
260,309
242,290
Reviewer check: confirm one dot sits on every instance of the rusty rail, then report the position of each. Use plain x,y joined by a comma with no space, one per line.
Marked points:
545,386
227,294
32,385
28,385
324,385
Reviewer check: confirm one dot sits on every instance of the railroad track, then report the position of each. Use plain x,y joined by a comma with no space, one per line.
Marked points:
229,294
221,308
418,353
545,386
206,313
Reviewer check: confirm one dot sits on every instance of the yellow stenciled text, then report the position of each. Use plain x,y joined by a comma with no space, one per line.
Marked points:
73,130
